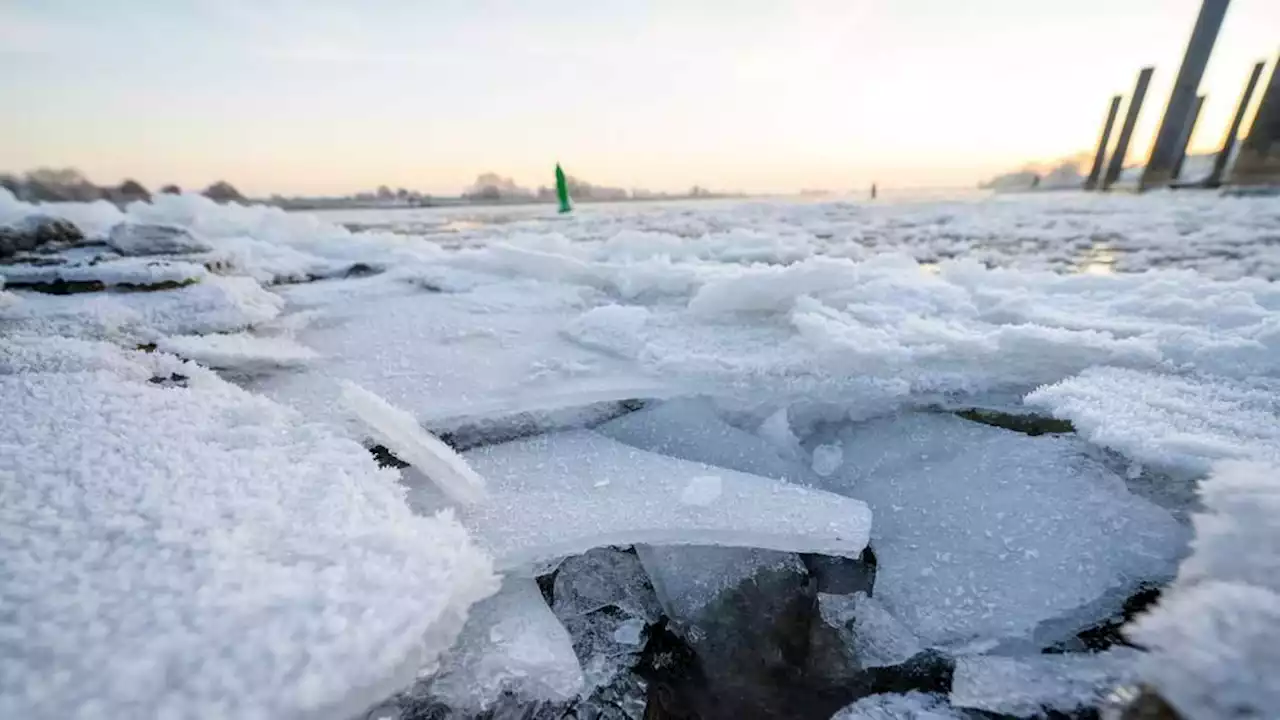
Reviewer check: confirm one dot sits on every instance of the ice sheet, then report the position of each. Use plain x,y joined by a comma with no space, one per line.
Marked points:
239,351
687,578
200,552
1184,422
400,433
605,600
139,272
871,635
1029,685
982,533
511,643
450,359
565,493
142,239
691,429
218,304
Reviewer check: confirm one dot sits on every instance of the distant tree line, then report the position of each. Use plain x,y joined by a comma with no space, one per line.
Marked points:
71,185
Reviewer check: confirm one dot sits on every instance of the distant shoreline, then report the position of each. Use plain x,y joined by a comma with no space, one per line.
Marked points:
352,204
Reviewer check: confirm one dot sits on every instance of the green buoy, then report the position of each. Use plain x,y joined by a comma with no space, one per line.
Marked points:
562,190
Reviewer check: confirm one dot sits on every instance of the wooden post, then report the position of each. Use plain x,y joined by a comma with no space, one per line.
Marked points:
1126,130
1164,154
1229,142
1100,157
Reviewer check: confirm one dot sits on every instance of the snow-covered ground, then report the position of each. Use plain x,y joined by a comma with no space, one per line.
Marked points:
192,528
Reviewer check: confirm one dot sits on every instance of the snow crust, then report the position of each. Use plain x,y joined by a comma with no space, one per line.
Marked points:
201,552
1174,421
1215,636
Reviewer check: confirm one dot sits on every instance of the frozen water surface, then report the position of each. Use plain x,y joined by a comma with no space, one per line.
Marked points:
766,327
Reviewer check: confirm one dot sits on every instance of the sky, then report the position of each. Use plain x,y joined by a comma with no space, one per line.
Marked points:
334,96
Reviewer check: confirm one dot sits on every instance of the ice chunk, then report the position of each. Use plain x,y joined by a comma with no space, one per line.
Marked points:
907,706
218,304
612,328
401,434
690,429
453,359
776,429
137,239
240,351
1030,685
688,578
827,459
127,272
1170,420
981,533
702,490
202,552
511,643
871,636
565,493
606,602
746,615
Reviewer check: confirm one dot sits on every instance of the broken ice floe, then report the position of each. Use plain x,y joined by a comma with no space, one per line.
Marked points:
240,351
1032,685
512,643
124,273
217,304
565,493
691,429
871,636
982,534
397,430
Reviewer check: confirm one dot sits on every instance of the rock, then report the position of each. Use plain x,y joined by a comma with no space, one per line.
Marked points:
36,231
138,239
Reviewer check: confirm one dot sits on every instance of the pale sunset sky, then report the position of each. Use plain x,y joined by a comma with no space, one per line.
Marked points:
334,96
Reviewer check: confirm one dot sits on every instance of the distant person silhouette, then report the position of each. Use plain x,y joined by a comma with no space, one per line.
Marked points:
873,191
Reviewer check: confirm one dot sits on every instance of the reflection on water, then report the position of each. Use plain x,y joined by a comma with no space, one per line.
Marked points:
1097,260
